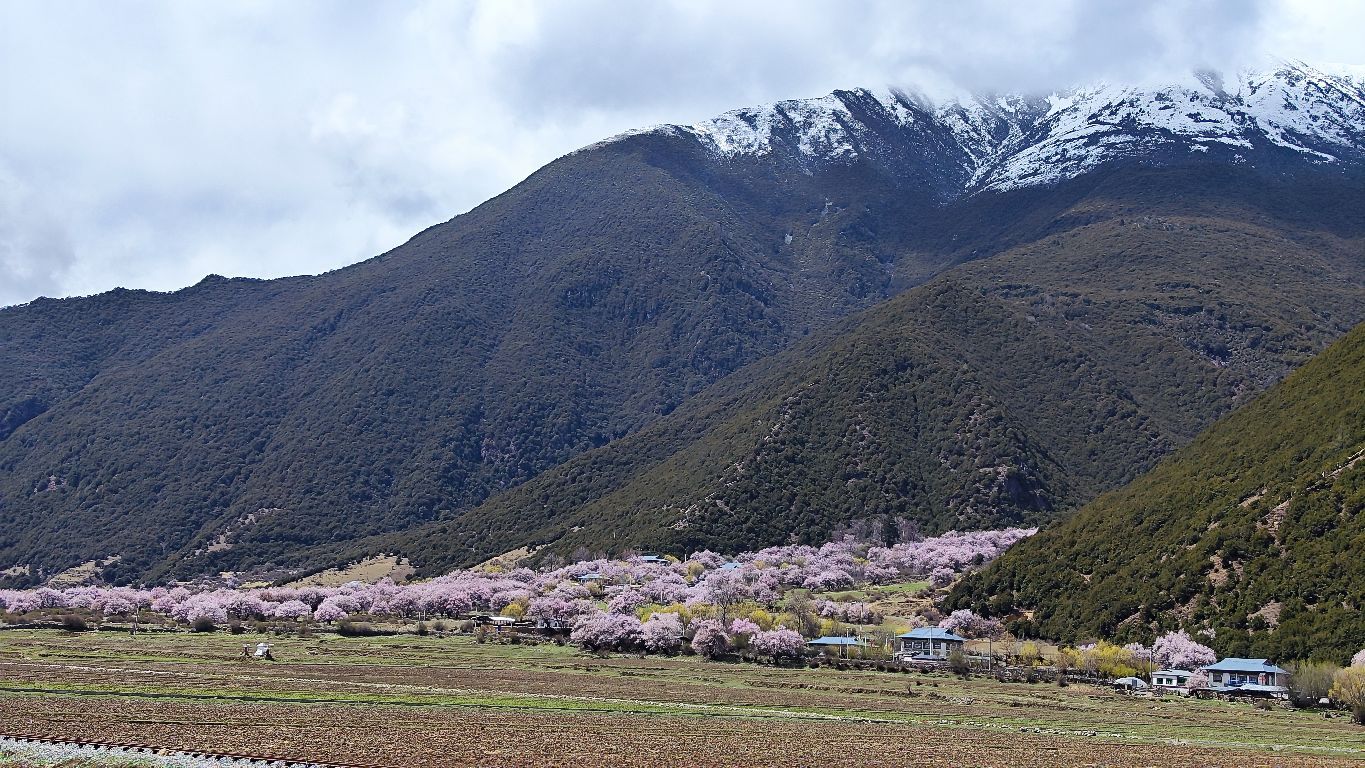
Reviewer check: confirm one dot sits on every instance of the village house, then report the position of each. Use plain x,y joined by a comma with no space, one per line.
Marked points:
837,644
1247,676
927,644
1174,680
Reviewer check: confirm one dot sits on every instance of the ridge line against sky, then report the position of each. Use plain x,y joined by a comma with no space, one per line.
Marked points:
147,145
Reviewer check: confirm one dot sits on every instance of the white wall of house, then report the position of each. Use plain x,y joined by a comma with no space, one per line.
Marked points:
1242,678
938,648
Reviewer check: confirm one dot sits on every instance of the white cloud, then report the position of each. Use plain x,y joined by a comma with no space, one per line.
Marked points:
146,145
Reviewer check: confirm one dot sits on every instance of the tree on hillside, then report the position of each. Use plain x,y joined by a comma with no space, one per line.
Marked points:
968,624
600,630
1177,650
778,643
662,633
1349,690
1311,681
328,612
292,609
710,639
117,606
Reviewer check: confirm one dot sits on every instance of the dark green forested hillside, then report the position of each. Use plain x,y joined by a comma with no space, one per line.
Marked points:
1009,391
237,422
1255,531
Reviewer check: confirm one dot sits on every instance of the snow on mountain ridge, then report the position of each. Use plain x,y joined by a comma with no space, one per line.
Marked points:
1011,141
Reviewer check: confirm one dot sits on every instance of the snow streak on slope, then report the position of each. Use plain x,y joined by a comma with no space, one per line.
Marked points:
1007,142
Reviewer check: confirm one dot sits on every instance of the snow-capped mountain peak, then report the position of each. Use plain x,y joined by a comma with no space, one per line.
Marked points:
1001,142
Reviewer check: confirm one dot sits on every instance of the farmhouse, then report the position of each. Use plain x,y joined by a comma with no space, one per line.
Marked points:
1247,676
927,644
1177,680
831,642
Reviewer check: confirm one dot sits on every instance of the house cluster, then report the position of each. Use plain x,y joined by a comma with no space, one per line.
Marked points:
922,644
1232,676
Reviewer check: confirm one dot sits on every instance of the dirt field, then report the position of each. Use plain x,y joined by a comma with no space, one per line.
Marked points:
410,701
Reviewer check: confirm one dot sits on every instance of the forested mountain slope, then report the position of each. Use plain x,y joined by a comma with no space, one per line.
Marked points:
594,297
1005,392
1254,532
245,423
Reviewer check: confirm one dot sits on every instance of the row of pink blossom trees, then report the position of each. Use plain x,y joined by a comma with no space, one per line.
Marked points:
562,595
636,604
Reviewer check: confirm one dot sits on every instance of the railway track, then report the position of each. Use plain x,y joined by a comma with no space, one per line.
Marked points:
59,748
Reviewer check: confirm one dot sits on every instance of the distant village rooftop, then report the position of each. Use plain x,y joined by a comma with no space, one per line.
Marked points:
830,641
932,633
1257,666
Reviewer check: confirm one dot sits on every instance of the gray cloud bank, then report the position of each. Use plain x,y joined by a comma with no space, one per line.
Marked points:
148,144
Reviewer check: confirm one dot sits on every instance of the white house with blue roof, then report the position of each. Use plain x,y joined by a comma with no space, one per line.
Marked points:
1248,676
927,644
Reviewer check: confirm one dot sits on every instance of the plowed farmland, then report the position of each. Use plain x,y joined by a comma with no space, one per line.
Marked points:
449,701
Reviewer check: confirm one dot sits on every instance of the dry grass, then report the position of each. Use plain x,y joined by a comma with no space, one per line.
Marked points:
370,570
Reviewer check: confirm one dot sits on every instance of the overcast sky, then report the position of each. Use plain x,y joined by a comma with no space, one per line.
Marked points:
147,144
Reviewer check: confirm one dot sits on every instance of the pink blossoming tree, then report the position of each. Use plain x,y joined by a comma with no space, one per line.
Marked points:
1177,650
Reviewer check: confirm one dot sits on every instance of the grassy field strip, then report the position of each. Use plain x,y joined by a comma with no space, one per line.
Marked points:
723,711
463,697
474,697
208,661
523,700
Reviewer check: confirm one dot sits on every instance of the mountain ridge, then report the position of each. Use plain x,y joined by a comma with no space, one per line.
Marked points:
1014,140
247,421
683,462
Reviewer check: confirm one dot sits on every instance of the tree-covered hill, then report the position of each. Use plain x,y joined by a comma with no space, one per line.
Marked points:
581,305
1007,391
1254,532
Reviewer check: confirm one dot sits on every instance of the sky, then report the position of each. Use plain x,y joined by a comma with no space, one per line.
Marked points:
147,144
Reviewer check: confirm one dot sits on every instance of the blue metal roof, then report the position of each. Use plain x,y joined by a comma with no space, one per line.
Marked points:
1245,665
933,633
832,640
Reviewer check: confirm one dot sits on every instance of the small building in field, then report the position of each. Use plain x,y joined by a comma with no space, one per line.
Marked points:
1174,680
589,578
1131,684
653,559
1255,677
834,643
927,644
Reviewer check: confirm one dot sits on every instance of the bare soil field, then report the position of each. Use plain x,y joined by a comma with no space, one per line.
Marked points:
449,701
